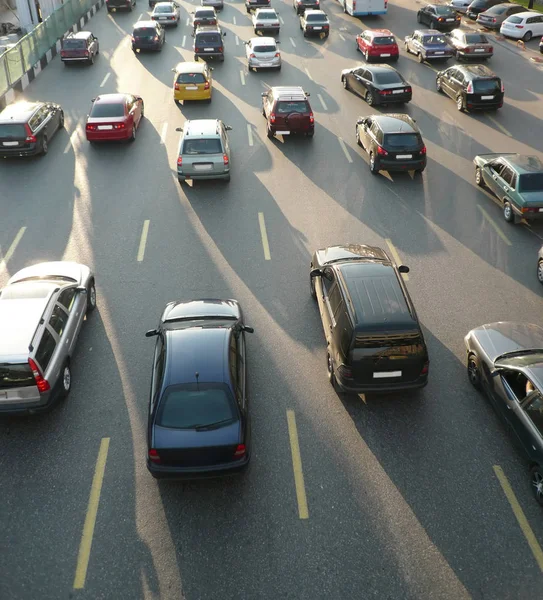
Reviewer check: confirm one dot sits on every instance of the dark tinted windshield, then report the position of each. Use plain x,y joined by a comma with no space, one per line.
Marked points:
481,86
479,4
316,18
107,110
191,78
433,39
189,406
402,140
12,130
497,10
145,32
264,49
164,9
74,44
202,146
476,38
531,182
212,39
13,376
292,107
267,15
384,41
387,77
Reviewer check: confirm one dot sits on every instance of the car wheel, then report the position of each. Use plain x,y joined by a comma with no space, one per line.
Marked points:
142,110
419,19
330,369
310,134
536,476
305,34
61,120
474,374
227,179
540,270
420,57
44,145
479,177
66,380
508,213
407,48
278,68
91,296
357,135
312,289
527,36
345,83
369,98
374,165
438,84
460,103
367,56
133,136
269,133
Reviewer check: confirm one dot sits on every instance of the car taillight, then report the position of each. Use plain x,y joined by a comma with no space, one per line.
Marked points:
240,451
425,368
467,50
503,88
386,4
530,209
41,383
154,456
220,49
381,151
469,89
180,161
409,90
344,371
354,5
86,53
176,86
63,53
440,19
519,26
119,125
30,137
272,117
423,150
212,22
311,118
493,20
90,127
206,85
491,49
225,160
252,55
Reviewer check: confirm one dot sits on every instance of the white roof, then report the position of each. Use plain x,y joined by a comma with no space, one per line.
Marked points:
265,41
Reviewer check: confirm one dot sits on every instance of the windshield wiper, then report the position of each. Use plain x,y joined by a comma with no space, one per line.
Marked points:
211,425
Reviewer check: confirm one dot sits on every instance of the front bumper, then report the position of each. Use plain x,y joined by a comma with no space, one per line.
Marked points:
186,473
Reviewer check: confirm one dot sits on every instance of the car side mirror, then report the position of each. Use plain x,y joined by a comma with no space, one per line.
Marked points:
151,333
228,128
403,269
307,93
315,273
93,99
211,68
263,94
360,121
178,129
81,290
248,329
172,70
223,33
277,42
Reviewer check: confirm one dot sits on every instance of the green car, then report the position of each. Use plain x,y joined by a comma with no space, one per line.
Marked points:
516,180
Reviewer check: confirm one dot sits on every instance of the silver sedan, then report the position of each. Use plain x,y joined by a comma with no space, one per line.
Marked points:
166,13
262,53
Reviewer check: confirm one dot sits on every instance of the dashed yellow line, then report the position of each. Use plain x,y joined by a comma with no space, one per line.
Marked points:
90,519
520,516
303,512
396,257
494,225
264,236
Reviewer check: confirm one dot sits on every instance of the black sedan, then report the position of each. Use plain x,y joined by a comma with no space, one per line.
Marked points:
505,360
377,84
198,423
439,17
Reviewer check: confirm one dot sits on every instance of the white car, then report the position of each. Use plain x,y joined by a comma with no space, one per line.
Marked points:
166,13
266,19
262,53
523,26
460,6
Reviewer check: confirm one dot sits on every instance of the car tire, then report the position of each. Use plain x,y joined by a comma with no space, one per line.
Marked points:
305,34
270,133
473,370
310,134
312,288
44,145
460,103
479,177
420,58
61,120
278,68
527,36
227,179
357,136
438,85
369,98
508,213
536,478
407,48
374,165
419,18
330,370
91,296
65,380
345,83
91,59
367,56
133,136
540,271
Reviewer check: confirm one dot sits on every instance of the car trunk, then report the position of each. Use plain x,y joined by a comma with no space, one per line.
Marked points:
208,43
164,17
17,384
145,37
14,136
485,90
191,82
106,123
264,53
74,49
292,116
437,49
403,146
384,49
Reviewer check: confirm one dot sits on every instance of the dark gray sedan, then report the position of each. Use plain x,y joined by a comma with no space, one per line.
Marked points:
505,360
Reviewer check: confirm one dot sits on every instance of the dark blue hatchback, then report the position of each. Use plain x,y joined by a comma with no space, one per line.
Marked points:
198,413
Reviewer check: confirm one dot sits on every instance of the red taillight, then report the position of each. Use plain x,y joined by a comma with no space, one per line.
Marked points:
503,88
180,161
467,50
409,90
225,160
90,127
493,20
277,55
344,371
30,137
153,455
311,118
272,117
423,150
491,49
354,5
469,89
213,22
206,85
530,209
176,87
385,92
519,26
240,451
425,368
381,151
119,126
86,52
220,49
42,384
63,53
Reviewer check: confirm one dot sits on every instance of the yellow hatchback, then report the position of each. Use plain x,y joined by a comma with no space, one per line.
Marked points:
192,81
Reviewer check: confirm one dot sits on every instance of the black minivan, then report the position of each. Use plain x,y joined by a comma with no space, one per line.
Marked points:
472,87
208,42
374,339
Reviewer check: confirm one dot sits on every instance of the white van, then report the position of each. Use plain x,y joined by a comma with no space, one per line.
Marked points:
364,7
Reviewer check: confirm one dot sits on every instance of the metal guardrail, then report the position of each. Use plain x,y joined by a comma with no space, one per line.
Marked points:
27,52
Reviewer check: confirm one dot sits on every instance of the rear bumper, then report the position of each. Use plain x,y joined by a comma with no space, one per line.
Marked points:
198,95
185,473
516,34
445,56
108,136
260,64
139,46
447,26
182,176
494,26
42,405
475,55
76,59
402,165
288,131
353,388
393,98
483,105
30,151
209,54
274,29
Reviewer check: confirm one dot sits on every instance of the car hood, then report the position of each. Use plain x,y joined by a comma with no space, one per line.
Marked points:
503,337
51,269
350,251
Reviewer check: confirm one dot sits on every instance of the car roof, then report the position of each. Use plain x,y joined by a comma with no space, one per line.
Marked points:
168,4
263,40
190,67
194,349
379,32
145,24
314,12
198,127
78,35
204,9
527,14
266,10
207,29
376,296
111,99
395,123
204,307
19,111
282,92
524,163
428,31
478,71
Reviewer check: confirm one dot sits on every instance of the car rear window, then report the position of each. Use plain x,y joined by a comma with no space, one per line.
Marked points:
513,20
266,15
401,140
192,405
202,146
402,344
15,130
164,9
104,110
479,4
15,376
443,10
191,78
284,107
387,77
316,18
384,41
476,38
205,14
145,32
264,48
74,44
497,10
531,182
208,38
433,39
481,86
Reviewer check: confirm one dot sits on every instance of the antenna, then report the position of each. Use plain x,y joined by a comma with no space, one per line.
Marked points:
197,382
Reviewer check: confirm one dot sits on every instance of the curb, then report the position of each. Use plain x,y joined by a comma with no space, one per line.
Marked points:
19,86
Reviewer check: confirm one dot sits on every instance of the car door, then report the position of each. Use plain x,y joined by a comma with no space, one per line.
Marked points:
365,82
446,81
59,323
532,421
506,181
456,83
74,303
328,281
491,173
428,15
364,132
415,44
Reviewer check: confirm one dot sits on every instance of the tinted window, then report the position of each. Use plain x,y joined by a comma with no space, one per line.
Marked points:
266,15
74,44
233,360
45,349
208,38
387,77
58,319
507,175
12,130
497,10
204,14
316,18
264,48
398,344
402,140
145,32
334,298
382,41
514,20
433,39
479,4
482,86
13,376
202,146
66,297
191,78
531,182
291,107
443,10
476,38
103,110
190,405
535,411
164,9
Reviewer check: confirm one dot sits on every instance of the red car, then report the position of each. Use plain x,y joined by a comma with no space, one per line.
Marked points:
114,117
377,43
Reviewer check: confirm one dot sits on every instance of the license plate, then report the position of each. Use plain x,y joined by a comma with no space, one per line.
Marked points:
439,52
404,156
487,97
479,49
397,91
10,143
385,54
105,126
205,167
383,374
191,87
449,20
282,132
163,18
317,28
208,49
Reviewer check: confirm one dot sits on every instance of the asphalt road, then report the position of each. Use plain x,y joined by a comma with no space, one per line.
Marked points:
402,496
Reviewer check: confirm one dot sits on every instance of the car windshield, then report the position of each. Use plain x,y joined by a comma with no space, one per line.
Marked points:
208,38
107,109
384,41
401,140
443,10
531,182
476,38
14,376
191,78
387,77
291,107
167,8
478,4
316,18
513,20
264,48
145,32
202,146
195,405
16,130
74,44
482,86
433,39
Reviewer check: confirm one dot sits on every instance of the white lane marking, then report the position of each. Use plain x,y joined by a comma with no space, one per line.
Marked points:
140,17
184,40
322,102
163,133
143,240
342,36
234,20
292,42
264,236
104,80
250,134
242,77
345,151
188,21
281,20
75,134
237,40
12,248
308,73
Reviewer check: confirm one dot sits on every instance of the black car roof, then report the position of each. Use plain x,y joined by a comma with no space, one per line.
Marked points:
19,112
380,69
376,297
395,123
477,71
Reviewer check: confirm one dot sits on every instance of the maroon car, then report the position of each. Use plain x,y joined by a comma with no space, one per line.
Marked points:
287,111
114,117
